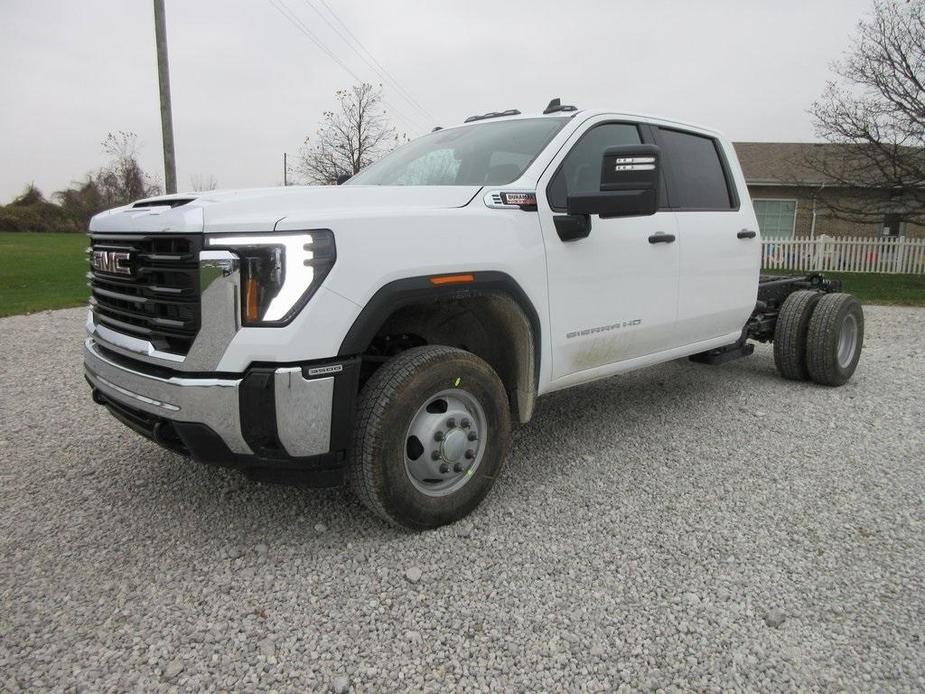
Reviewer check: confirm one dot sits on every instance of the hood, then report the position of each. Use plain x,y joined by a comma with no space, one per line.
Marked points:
260,209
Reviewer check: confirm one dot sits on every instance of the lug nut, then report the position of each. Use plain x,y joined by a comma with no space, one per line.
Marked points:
444,468
457,468
451,423
465,423
438,436
435,455
472,436
470,454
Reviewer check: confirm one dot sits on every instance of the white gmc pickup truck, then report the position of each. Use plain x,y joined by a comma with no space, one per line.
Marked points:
387,332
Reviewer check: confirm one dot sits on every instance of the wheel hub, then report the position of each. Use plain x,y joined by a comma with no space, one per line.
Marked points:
445,442
454,445
847,341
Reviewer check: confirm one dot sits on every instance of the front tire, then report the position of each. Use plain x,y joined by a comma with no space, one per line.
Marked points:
835,338
433,431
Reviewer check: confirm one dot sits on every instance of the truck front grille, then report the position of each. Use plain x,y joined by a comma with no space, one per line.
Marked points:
147,286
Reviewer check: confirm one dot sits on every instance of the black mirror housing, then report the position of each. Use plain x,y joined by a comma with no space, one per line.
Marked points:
630,167
618,203
629,184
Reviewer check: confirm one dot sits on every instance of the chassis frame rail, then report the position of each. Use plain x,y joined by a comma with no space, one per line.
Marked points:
773,290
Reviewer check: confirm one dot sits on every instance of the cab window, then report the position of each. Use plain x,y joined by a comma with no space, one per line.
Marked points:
580,171
698,180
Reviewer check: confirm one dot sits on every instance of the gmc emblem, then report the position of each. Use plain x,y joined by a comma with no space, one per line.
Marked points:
116,262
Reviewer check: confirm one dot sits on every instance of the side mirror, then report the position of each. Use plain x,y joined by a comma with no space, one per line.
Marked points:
629,184
343,178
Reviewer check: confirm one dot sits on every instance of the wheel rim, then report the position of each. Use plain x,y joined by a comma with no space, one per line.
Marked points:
847,340
445,442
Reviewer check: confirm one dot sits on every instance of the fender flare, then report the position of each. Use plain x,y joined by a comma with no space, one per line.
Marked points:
415,290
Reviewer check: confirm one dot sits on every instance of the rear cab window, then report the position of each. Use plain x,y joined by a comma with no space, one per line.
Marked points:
697,173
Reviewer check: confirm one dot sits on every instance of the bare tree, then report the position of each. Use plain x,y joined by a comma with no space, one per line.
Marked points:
123,180
350,138
119,182
202,183
876,107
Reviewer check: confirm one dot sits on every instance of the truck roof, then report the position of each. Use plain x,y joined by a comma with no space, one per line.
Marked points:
581,115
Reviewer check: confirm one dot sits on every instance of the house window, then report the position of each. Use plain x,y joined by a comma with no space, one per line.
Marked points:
892,225
776,218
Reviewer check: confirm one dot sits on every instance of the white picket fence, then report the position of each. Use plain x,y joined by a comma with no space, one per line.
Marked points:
845,254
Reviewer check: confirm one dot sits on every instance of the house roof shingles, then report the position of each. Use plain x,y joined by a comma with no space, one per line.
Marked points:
776,163
826,163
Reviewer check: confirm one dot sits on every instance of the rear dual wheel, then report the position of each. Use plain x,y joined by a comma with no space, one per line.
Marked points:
834,340
790,334
819,336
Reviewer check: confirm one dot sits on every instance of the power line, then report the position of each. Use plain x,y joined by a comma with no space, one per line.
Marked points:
293,19
300,25
371,60
375,66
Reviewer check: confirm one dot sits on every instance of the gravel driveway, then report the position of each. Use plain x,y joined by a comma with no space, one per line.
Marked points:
683,527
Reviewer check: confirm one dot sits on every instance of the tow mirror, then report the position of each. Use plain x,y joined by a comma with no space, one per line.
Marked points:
629,184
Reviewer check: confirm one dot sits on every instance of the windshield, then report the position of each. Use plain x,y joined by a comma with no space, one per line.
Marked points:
487,154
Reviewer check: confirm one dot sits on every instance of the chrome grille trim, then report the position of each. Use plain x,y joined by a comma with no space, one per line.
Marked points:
159,301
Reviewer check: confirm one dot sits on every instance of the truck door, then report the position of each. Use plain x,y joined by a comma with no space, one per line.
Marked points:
612,295
717,232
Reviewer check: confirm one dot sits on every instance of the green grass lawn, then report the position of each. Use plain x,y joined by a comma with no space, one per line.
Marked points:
45,271
42,271
870,288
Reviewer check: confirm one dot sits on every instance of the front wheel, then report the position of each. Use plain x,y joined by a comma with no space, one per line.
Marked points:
433,431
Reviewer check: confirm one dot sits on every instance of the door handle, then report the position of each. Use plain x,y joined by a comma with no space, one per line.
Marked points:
747,234
661,238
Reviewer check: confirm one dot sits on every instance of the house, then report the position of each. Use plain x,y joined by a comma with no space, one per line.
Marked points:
793,199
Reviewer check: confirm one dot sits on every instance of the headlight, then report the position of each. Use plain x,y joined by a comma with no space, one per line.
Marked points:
279,272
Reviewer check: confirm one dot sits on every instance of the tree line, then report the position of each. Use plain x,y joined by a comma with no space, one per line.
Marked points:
120,181
348,139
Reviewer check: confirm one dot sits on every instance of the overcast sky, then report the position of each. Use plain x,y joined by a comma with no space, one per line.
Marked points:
248,85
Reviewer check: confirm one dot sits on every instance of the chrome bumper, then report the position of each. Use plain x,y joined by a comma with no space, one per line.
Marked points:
303,406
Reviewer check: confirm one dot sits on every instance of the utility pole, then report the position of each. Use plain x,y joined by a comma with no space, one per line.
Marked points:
163,80
285,171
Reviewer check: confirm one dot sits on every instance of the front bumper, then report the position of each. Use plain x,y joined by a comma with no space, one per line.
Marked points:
292,418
